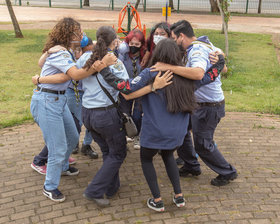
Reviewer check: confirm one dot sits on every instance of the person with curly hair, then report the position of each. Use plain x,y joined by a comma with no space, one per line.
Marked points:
49,108
75,107
100,116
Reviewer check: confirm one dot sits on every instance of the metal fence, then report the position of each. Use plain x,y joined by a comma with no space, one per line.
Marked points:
240,6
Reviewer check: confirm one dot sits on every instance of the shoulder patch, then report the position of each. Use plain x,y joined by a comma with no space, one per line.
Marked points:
118,66
65,55
135,80
70,62
196,53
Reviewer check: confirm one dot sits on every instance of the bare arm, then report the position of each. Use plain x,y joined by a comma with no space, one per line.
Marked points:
159,83
42,59
52,79
75,72
145,59
190,73
44,56
78,74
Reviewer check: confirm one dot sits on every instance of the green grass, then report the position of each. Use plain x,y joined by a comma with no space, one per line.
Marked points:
18,63
253,83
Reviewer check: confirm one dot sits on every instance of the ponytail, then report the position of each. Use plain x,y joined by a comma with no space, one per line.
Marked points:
98,52
104,35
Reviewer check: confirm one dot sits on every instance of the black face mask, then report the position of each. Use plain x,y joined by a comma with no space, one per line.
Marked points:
134,49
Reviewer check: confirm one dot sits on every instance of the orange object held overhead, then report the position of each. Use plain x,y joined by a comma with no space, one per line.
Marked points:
135,16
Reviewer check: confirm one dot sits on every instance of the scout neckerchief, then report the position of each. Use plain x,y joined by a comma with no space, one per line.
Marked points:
185,58
134,66
75,83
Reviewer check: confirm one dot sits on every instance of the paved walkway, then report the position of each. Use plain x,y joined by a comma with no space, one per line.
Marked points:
45,18
251,142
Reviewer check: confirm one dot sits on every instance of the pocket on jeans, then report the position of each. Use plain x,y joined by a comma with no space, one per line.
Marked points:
103,120
34,109
120,144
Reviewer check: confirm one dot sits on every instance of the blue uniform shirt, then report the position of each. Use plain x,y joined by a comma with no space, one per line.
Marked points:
160,129
80,63
127,61
94,96
198,56
58,62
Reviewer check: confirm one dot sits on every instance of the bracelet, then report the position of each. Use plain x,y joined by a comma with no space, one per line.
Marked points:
38,80
153,88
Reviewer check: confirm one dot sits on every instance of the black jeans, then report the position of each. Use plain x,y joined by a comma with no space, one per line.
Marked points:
146,156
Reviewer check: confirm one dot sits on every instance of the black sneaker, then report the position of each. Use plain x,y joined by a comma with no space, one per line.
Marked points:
183,172
222,180
102,202
179,161
157,206
76,150
179,201
54,195
88,151
72,171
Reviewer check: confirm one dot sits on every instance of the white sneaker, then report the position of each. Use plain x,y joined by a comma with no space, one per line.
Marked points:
129,139
136,146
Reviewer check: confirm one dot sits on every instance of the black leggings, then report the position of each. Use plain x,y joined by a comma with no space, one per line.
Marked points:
146,156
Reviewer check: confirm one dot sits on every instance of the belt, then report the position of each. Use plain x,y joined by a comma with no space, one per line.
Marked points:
104,108
80,91
50,91
214,104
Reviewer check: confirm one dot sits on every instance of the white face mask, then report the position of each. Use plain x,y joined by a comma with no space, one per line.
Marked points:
158,38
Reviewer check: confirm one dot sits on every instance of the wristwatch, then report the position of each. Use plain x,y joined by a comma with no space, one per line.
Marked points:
153,89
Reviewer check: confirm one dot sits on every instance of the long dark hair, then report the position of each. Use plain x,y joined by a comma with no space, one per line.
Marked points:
150,41
104,36
180,94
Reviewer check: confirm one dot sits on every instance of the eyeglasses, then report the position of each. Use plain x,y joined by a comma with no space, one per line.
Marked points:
81,35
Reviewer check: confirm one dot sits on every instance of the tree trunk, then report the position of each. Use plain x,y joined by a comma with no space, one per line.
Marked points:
171,4
86,3
260,6
214,6
225,27
136,4
14,20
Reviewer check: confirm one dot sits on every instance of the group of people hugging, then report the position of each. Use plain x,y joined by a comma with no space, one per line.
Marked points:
169,84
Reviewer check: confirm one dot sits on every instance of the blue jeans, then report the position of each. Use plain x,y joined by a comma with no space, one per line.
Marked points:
76,110
51,113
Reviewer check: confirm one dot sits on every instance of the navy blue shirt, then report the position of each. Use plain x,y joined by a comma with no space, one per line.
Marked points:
127,60
160,129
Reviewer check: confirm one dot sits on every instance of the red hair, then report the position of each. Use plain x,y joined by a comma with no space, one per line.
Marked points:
138,34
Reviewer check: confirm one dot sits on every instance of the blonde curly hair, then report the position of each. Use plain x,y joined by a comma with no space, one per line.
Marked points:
62,33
